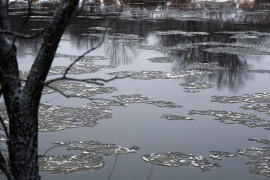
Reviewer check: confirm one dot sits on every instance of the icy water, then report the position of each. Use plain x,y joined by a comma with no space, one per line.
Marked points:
195,102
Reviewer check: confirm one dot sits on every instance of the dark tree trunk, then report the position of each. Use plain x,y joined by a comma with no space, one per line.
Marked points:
22,102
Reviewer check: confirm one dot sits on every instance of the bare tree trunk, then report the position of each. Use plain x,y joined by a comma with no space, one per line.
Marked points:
22,102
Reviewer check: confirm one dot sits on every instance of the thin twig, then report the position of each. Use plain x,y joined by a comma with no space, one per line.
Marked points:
113,168
47,84
14,2
90,81
50,149
151,172
75,96
92,49
87,80
24,36
23,24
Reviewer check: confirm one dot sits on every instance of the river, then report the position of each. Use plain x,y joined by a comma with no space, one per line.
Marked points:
194,101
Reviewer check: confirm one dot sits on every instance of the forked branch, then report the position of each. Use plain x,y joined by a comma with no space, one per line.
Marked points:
4,167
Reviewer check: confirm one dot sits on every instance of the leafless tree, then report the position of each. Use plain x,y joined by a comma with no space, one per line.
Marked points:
22,99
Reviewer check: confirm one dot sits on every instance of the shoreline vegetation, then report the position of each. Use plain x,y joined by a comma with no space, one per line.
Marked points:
236,11
250,5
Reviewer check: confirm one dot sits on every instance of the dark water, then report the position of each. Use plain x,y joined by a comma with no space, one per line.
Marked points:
190,58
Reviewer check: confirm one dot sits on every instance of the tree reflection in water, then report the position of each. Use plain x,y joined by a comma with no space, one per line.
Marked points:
123,51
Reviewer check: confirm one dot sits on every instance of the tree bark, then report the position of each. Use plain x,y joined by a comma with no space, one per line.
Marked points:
22,102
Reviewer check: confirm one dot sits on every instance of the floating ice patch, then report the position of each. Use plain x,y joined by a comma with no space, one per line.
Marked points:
91,157
175,117
229,117
197,85
125,36
149,75
217,155
176,159
248,98
258,107
135,98
84,59
95,147
70,163
244,36
191,91
162,59
98,28
78,68
75,89
105,103
260,159
178,47
241,35
258,71
213,43
179,32
210,67
264,141
209,43
237,50
87,59
247,33
164,104
56,119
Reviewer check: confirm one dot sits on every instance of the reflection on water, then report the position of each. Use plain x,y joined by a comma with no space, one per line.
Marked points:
232,46
187,63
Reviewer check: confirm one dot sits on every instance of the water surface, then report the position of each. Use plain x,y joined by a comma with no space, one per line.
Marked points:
196,88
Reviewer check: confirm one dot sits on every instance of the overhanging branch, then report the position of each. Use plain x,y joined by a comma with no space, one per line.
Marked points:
20,35
92,49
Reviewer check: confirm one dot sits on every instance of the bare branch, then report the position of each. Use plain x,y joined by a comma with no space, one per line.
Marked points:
47,84
51,149
75,96
90,81
26,20
24,36
16,78
5,6
14,2
4,167
87,80
4,126
92,49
